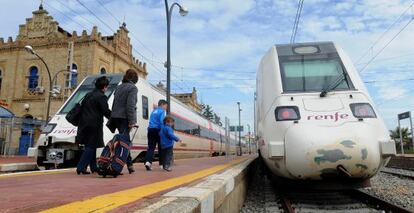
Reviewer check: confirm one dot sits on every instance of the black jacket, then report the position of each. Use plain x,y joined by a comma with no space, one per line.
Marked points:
90,129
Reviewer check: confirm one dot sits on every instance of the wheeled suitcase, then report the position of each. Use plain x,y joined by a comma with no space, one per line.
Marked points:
114,155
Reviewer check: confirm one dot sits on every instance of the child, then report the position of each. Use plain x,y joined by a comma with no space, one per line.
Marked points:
167,142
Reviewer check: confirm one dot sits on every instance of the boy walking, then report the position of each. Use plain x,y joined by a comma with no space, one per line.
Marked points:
155,124
167,142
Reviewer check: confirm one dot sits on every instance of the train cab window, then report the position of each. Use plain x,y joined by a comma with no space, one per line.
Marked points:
313,75
145,107
312,71
88,85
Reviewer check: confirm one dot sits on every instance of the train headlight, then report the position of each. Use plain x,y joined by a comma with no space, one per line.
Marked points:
287,113
362,110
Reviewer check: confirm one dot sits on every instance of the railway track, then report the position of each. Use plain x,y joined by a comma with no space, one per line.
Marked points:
401,175
334,201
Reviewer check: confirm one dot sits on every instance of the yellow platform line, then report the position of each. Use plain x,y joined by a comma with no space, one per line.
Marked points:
111,201
35,173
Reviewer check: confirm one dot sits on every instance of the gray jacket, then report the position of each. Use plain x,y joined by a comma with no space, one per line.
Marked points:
125,102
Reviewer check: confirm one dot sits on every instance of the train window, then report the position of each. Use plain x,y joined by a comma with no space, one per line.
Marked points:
312,74
145,107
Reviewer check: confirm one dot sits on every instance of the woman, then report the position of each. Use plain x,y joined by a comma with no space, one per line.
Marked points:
90,129
124,110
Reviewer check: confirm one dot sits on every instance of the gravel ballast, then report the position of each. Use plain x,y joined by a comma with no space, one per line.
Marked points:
392,188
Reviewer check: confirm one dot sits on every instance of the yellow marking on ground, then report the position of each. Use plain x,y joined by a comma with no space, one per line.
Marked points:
35,173
111,201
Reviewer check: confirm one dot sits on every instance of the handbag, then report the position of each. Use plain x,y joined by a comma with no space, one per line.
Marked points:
75,113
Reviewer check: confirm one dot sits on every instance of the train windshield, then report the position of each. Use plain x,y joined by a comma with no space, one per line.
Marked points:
87,86
312,72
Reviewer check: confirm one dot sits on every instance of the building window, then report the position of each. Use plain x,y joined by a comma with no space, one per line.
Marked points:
145,107
103,71
1,78
33,78
73,77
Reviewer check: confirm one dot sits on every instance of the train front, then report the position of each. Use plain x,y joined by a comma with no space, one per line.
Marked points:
56,145
323,124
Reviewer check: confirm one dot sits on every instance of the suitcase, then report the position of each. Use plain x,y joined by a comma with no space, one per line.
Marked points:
114,155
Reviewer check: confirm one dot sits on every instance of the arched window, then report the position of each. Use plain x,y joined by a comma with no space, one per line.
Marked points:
103,70
72,78
1,78
33,78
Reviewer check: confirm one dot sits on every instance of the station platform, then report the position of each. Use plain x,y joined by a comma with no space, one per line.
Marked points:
65,191
16,163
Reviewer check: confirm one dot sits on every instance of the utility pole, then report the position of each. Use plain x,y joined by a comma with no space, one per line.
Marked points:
250,148
239,129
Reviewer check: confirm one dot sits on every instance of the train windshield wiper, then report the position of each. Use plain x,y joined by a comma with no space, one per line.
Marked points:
333,85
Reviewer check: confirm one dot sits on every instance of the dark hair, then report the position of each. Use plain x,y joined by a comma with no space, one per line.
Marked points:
130,76
162,102
168,119
101,82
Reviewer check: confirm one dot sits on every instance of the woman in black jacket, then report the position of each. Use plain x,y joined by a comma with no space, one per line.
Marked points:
90,129
124,107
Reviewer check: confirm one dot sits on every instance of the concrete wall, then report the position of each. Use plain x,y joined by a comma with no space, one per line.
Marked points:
224,192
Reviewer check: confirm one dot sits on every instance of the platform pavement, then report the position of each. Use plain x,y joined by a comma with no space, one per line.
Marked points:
17,163
64,191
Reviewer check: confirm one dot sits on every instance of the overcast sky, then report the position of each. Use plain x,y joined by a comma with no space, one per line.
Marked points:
218,46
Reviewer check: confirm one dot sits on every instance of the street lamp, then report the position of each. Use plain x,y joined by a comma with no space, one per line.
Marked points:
250,148
168,12
30,50
55,76
239,129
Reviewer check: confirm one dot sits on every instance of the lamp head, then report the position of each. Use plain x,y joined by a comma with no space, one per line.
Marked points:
183,11
29,49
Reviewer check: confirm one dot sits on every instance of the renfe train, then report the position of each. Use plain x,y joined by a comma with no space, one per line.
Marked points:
56,145
315,119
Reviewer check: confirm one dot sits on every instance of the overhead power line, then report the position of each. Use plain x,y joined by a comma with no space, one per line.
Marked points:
388,43
296,23
385,32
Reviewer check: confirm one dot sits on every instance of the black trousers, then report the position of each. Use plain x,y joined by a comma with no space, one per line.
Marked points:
153,136
121,125
167,157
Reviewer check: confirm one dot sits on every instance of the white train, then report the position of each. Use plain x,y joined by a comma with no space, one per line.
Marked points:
315,119
56,145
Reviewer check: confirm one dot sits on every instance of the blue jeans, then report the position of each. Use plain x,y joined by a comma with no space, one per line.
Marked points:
88,158
153,136
122,125
167,156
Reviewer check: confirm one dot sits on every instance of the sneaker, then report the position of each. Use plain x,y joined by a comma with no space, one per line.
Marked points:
161,167
168,169
148,166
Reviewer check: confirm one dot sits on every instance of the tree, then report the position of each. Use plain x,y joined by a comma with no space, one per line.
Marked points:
395,135
208,112
217,120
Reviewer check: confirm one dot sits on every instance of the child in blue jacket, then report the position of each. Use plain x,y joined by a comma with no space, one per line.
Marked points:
167,142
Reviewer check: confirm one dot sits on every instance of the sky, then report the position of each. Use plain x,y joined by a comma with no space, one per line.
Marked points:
217,47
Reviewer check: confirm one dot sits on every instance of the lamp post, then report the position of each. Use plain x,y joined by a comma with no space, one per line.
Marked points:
250,148
239,129
55,76
30,50
168,12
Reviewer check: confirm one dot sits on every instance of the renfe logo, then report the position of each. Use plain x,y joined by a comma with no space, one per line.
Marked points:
335,117
67,131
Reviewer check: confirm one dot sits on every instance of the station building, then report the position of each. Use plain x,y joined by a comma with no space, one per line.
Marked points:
24,82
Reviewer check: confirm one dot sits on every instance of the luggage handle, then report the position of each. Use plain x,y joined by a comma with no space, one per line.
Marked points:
136,130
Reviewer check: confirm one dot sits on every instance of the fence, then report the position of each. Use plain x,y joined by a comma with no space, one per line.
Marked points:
18,134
